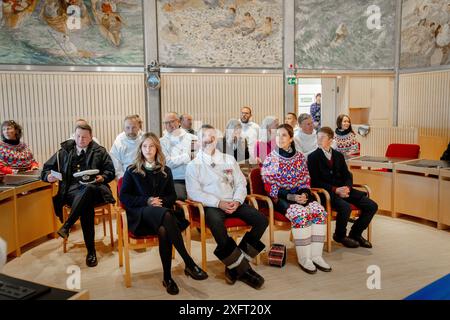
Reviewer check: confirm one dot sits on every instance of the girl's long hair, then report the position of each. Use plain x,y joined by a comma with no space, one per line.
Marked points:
139,161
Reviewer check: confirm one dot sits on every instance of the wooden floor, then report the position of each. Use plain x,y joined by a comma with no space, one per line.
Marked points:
410,255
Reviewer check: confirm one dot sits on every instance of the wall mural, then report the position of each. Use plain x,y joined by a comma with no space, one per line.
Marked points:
425,33
221,33
72,32
343,34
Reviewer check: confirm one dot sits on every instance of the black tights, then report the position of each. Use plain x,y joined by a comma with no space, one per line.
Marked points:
169,234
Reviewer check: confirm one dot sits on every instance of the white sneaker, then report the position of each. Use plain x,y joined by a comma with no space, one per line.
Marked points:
321,264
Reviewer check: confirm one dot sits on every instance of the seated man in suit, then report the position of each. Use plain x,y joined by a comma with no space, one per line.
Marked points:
328,170
76,156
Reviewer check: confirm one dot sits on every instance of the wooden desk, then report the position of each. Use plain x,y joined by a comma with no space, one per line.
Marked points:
381,182
35,213
444,199
417,190
8,219
27,213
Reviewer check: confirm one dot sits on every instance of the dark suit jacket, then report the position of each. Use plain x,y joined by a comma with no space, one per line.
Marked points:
322,176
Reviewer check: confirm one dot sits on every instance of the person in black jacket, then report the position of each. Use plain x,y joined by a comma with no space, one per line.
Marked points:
328,170
232,142
78,155
148,194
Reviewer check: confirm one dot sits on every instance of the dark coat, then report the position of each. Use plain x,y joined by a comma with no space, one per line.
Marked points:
446,154
322,176
96,157
137,189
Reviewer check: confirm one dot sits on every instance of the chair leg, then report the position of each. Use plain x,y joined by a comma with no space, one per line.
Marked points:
127,264
119,242
111,226
329,235
104,223
188,239
173,252
203,241
65,217
65,245
369,232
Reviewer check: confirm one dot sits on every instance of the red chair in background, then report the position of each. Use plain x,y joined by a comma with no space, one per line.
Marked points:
402,150
128,241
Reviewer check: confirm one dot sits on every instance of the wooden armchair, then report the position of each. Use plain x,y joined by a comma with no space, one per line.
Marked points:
128,241
235,226
277,220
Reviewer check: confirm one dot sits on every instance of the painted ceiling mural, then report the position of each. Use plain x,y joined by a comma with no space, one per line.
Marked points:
345,35
425,38
220,33
71,32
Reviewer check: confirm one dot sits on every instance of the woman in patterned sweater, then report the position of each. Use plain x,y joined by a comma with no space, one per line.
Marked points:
345,138
14,155
286,180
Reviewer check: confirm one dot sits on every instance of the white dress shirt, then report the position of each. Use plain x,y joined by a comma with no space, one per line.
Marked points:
177,150
210,179
123,152
250,131
305,143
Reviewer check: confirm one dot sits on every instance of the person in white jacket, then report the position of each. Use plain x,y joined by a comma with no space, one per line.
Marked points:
178,148
215,180
306,138
123,150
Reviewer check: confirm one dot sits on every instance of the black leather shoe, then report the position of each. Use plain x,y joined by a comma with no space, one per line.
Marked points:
230,276
63,232
308,270
171,287
196,273
252,278
362,242
91,259
346,241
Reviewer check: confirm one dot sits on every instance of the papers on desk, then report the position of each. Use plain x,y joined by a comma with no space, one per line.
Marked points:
374,159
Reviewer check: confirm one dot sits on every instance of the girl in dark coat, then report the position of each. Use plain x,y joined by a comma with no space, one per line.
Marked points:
148,194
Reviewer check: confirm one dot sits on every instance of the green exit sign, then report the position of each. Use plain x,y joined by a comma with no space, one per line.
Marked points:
292,81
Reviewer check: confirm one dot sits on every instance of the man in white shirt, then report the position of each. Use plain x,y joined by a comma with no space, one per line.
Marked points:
215,179
250,131
306,138
178,148
123,150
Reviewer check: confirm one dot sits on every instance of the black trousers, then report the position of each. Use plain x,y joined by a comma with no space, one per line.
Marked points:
358,198
215,220
82,199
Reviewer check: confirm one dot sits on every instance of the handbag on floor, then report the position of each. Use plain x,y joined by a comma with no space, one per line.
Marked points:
277,255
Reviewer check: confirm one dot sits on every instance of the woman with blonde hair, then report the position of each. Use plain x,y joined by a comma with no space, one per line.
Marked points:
148,194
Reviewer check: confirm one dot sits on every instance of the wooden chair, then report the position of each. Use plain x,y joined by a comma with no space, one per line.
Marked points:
354,214
128,241
277,220
235,226
101,211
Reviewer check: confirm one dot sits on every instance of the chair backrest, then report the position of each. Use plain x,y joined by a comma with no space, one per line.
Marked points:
256,183
402,150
